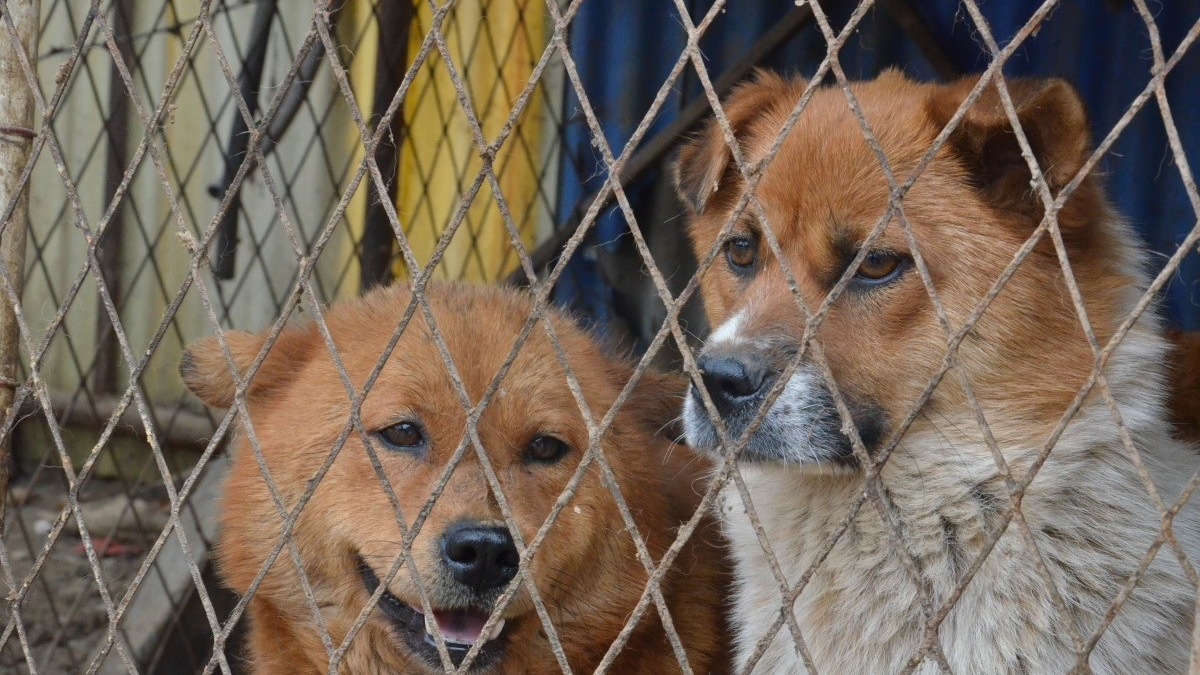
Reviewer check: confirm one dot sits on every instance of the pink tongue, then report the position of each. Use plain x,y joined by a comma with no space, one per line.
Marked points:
460,626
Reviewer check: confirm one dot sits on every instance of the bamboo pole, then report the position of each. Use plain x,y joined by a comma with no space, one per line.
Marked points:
176,427
16,142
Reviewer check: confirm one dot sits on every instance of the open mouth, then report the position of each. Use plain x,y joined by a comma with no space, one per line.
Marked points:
460,628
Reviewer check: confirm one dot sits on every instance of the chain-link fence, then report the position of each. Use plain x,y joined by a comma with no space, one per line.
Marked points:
200,166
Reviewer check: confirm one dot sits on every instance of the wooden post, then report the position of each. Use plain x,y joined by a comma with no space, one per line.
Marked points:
16,141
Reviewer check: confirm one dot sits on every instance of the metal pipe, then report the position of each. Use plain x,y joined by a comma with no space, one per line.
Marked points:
109,250
224,253
394,19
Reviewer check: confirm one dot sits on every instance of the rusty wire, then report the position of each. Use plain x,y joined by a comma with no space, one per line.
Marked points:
726,475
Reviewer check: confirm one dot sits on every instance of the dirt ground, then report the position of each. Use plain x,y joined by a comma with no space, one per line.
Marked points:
64,619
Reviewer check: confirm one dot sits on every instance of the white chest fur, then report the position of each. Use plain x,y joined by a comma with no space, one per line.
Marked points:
861,610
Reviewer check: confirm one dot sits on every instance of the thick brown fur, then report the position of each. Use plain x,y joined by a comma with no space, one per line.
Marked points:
1185,383
1026,359
587,570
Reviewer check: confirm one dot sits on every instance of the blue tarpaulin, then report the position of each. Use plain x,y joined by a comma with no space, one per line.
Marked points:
625,48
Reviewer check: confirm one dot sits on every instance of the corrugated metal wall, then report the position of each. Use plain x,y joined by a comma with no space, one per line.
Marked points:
623,49
626,47
495,45
152,263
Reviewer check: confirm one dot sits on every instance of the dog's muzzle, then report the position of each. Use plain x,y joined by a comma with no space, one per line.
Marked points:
801,426
478,561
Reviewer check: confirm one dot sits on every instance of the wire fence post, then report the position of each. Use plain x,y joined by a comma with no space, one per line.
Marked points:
16,141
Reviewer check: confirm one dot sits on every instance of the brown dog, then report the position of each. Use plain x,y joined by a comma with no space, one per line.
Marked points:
586,571
1050,579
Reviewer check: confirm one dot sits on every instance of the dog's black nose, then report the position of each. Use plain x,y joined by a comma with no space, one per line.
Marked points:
481,557
731,382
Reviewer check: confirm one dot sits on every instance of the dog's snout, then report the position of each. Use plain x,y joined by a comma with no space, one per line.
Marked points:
731,381
481,557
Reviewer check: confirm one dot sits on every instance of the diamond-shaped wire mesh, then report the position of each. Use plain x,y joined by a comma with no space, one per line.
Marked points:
204,166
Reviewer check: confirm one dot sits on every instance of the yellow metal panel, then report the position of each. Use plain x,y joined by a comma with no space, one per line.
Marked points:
358,25
494,46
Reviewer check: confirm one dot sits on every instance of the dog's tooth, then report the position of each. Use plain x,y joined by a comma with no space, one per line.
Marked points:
496,630
430,623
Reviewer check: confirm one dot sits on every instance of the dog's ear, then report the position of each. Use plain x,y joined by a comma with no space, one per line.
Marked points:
703,163
206,372
656,402
1052,117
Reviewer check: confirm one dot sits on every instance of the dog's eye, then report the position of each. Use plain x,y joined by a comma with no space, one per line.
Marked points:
879,267
403,436
741,253
546,449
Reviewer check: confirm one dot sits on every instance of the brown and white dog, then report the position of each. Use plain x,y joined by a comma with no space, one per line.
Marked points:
1027,357
587,571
